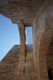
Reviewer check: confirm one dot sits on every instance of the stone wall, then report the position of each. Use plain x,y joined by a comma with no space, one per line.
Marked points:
9,67
10,72
42,34
50,55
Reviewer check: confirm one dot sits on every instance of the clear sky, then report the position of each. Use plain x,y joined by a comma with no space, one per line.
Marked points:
28,32
9,35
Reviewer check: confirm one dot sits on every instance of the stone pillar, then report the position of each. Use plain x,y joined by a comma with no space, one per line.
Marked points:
36,50
41,40
22,41
22,46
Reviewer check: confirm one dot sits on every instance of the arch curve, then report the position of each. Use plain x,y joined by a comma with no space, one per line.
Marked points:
43,49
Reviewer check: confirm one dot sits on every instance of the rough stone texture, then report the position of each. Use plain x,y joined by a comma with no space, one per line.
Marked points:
39,14
13,55
24,10
22,40
50,55
9,67
43,28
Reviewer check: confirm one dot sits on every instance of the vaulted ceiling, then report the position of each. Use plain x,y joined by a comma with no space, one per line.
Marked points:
25,10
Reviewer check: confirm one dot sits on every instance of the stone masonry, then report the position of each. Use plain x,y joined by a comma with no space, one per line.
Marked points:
25,64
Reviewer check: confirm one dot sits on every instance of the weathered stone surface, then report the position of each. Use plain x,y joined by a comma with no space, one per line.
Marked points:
9,67
42,28
50,55
39,14
25,10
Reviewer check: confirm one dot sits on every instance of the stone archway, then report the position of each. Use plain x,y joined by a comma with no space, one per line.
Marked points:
43,49
40,48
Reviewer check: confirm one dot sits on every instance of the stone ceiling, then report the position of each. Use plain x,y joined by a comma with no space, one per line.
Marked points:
24,10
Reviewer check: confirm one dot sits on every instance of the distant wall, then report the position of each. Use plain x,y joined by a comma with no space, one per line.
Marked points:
10,69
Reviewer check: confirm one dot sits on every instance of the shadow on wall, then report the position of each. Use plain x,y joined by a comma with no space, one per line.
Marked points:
50,73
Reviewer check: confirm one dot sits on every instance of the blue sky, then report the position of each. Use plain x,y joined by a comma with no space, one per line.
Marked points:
28,32
9,35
